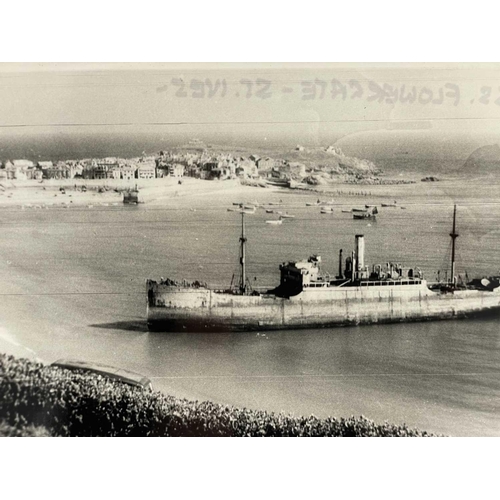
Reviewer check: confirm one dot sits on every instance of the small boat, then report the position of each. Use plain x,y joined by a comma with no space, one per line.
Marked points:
326,210
269,211
365,215
346,211
286,215
393,205
125,376
369,213
275,222
358,210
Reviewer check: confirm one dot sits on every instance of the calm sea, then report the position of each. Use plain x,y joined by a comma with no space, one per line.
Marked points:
73,286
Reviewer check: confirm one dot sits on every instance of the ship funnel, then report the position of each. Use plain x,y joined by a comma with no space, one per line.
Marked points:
360,252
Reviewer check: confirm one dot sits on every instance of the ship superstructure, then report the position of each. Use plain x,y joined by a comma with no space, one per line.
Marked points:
306,298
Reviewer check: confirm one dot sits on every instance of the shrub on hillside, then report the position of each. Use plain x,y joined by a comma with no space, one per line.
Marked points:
73,403
7,430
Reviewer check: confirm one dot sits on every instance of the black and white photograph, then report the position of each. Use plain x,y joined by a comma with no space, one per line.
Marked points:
249,249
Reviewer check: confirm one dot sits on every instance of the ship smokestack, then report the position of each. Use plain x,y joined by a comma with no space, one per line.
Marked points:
340,264
360,252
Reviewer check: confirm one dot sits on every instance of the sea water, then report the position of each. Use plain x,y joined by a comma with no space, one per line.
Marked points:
73,286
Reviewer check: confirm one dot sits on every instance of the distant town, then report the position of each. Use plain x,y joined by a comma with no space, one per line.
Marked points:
318,166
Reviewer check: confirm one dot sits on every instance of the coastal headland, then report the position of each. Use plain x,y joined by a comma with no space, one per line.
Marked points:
195,170
199,169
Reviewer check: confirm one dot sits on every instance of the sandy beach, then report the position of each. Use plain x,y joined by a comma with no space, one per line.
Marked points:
168,192
35,194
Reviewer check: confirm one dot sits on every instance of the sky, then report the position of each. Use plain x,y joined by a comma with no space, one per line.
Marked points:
307,103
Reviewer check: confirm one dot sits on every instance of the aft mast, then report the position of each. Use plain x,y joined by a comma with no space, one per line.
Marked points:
243,240
454,236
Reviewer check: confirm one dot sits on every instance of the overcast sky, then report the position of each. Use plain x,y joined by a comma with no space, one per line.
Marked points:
252,98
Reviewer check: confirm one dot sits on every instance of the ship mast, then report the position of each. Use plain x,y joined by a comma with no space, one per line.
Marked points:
243,277
454,236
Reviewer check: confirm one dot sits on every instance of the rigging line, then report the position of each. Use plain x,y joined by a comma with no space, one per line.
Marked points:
376,198
181,224
68,293
249,122
313,375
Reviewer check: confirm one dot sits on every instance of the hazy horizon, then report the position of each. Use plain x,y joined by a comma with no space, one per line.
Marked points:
440,112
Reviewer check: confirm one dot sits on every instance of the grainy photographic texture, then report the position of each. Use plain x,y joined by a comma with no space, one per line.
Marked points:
267,242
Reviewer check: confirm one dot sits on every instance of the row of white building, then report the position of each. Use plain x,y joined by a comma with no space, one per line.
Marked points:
204,166
107,168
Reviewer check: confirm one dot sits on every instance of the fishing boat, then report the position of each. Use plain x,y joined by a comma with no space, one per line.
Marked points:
306,298
279,182
275,222
369,213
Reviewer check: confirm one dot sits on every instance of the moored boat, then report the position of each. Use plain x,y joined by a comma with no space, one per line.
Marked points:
131,197
390,205
275,222
368,213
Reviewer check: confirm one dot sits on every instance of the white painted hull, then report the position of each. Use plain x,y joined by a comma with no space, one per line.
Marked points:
176,308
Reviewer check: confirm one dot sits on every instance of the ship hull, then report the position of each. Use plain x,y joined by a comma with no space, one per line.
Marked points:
200,309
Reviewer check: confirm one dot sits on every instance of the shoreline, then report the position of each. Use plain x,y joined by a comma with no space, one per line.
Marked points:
160,192
33,194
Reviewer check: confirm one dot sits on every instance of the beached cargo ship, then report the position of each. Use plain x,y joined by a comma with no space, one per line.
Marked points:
307,299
